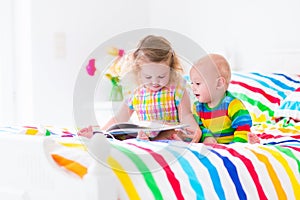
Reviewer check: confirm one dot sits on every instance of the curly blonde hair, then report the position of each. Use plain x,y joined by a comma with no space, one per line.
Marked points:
155,49
159,50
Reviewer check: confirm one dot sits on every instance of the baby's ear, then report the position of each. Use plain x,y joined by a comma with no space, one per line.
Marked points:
221,82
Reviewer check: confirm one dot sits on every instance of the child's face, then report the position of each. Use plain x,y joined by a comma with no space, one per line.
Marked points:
154,76
204,83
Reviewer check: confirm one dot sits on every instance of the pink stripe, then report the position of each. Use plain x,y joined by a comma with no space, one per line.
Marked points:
258,90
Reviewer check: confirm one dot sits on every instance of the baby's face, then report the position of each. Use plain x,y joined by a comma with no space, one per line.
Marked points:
204,83
154,76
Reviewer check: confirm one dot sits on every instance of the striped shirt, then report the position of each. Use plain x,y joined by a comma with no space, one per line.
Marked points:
228,122
158,105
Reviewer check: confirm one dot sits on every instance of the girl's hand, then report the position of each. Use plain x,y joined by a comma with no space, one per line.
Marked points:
188,135
142,136
86,132
210,140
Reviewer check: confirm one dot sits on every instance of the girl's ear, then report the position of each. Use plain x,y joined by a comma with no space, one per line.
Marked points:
221,82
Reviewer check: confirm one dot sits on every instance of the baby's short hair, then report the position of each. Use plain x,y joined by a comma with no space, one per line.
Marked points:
221,64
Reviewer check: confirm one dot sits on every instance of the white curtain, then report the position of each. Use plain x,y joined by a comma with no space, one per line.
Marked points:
7,112
16,104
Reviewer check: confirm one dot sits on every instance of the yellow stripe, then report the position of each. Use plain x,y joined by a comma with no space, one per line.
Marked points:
285,164
288,130
235,106
225,139
276,182
74,145
124,178
31,131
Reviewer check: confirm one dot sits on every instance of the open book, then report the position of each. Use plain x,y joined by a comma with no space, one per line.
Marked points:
146,126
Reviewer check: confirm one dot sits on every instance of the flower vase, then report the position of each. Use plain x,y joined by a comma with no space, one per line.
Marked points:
116,93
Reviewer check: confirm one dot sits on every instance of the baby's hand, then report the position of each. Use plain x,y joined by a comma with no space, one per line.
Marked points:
253,138
210,140
86,132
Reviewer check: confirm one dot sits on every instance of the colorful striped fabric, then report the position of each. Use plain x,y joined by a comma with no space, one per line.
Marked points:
39,130
157,105
263,93
161,170
228,122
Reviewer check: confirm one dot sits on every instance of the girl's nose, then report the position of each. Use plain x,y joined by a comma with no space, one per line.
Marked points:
155,81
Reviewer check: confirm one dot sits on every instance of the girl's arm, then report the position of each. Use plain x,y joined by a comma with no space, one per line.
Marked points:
186,116
122,115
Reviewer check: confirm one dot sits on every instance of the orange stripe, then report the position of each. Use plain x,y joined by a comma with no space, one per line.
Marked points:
71,165
276,182
289,171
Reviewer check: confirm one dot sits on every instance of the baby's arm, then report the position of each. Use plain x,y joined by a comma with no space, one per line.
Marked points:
186,116
241,120
210,140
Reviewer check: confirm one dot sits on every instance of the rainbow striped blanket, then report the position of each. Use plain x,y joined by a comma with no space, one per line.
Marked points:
133,169
267,95
176,170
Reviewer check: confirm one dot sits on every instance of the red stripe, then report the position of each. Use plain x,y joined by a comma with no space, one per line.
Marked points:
292,147
248,163
165,166
215,114
245,127
295,136
258,90
269,136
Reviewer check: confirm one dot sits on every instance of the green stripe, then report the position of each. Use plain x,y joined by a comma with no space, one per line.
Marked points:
238,139
228,130
145,171
240,113
254,102
289,153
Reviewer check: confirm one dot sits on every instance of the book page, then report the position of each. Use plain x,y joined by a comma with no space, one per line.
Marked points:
147,126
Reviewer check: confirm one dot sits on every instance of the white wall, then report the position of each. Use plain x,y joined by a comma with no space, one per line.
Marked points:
253,35
64,33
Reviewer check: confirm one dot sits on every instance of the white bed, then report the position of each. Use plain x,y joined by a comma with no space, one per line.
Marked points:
53,167
29,173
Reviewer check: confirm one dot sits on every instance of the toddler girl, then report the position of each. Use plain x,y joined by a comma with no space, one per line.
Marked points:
160,94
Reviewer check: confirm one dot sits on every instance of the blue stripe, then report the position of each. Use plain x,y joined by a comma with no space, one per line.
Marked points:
233,175
212,170
223,134
291,105
188,169
287,77
213,173
276,82
275,90
282,142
